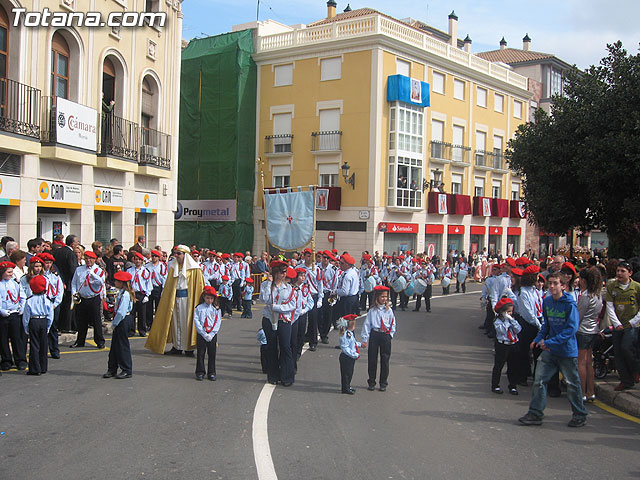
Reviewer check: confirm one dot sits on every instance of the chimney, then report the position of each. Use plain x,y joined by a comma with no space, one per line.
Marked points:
331,8
503,44
348,9
453,29
467,44
526,43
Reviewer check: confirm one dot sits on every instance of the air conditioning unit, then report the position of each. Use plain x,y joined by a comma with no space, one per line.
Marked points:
149,151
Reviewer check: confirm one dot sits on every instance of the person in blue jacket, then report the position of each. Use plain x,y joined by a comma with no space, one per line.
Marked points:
120,352
557,339
37,320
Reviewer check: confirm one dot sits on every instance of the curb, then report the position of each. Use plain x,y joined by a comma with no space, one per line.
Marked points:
627,401
64,338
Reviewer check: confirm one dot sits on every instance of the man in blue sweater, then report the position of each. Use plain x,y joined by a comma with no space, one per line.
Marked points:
557,339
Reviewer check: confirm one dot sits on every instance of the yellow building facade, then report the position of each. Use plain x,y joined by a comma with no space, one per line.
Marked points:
426,178
89,119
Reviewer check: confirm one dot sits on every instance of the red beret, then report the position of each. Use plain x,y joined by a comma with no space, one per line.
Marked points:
511,262
47,257
329,255
7,265
301,270
517,271
334,251
531,269
122,276
90,254
380,288
35,259
238,254
139,255
291,273
195,252
225,278
351,316
209,290
38,284
156,253
366,257
307,250
502,303
225,256
348,259
522,261
401,257
248,280
541,277
568,266
277,263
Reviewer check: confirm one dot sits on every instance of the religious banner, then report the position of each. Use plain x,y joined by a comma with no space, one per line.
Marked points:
322,198
290,217
442,203
486,207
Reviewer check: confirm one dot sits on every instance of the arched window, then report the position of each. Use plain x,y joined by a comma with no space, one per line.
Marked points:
147,116
4,43
59,66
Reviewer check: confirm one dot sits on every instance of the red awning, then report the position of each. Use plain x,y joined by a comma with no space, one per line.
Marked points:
477,230
456,229
517,231
434,229
495,230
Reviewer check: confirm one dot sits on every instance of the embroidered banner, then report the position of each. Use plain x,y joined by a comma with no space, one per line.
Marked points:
290,218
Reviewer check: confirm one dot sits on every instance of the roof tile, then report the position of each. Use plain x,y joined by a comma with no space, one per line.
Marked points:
513,55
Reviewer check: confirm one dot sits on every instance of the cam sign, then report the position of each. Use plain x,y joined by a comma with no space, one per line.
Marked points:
76,125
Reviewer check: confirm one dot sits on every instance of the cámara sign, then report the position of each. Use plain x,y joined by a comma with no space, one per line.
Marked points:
76,124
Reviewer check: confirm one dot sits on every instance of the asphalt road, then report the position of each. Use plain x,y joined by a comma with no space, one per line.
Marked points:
437,419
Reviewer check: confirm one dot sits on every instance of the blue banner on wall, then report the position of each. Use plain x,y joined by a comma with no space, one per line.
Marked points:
408,90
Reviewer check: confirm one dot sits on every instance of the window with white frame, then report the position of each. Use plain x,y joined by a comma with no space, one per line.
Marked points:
328,174
479,187
406,128
456,184
281,133
556,82
496,188
497,152
517,109
281,176
481,99
437,135
458,89
330,68
481,141
498,103
438,82
405,182
515,191
329,136
533,106
403,67
457,153
283,74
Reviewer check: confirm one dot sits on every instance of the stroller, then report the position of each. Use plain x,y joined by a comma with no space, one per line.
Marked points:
603,359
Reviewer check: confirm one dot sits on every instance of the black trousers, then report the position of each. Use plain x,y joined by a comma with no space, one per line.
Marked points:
88,313
427,299
404,300
38,343
364,297
489,319
263,358
206,348
139,314
522,351
54,348
626,357
11,330
312,322
347,305
298,330
325,316
379,344
152,306
225,306
504,354
279,356
120,351
64,321
246,309
237,297
394,298
346,371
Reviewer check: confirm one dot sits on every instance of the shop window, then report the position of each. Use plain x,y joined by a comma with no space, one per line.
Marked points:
103,226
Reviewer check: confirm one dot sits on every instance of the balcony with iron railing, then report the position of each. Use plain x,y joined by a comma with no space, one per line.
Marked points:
486,160
327,141
440,151
155,148
118,137
19,108
460,154
278,144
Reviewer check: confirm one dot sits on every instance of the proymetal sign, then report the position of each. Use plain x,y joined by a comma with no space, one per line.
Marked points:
206,211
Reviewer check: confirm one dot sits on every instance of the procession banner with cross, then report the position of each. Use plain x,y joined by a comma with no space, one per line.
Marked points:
290,217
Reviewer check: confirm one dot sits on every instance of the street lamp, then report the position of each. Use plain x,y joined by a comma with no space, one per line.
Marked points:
435,183
349,180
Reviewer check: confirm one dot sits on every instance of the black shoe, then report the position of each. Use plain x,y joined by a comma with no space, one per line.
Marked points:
371,388
497,390
76,345
288,384
429,311
199,377
55,356
173,351
415,310
337,347
383,388
23,367
37,374
143,334
189,353
490,335
513,390
109,375
131,334
324,340
101,346
353,390
313,348
212,378
348,392
122,375
577,422
530,419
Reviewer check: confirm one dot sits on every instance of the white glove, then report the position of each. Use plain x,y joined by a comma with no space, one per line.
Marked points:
634,322
145,299
274,326
319,304
4,313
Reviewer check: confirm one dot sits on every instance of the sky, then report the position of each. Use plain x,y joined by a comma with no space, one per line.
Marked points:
576,31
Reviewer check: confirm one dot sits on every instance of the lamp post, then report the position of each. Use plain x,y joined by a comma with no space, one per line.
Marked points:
435,182
349,180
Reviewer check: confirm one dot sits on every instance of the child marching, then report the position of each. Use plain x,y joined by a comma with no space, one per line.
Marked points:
349,354
377,331
37,320
120,351
207,320
507,329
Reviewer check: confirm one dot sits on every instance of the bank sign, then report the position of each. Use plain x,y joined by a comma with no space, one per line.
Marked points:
206,211
76,125
59,194
108,199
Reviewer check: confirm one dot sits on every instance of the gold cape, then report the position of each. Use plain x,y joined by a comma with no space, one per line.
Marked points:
160,333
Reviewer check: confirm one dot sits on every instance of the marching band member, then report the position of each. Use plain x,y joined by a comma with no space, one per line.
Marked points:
142,286
55,291
367,270
405,271
12,301
226,295
247,298
446,273
349,354
314,285
427,274
462,270
394,273
87,285
304,303
329,277
348,285
37,319
120,351
158,270
280,305
377,331
207,319
530,311
240,272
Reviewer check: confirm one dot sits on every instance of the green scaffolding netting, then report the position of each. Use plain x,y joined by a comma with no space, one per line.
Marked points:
217,137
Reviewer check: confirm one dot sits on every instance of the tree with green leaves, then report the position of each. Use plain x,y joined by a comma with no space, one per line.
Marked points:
581,164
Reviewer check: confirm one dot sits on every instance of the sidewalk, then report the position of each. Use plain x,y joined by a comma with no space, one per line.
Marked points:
627,401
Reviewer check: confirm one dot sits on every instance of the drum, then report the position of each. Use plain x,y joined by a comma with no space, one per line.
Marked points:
462,276
369,283
445,282
398,284
410,289
420,286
